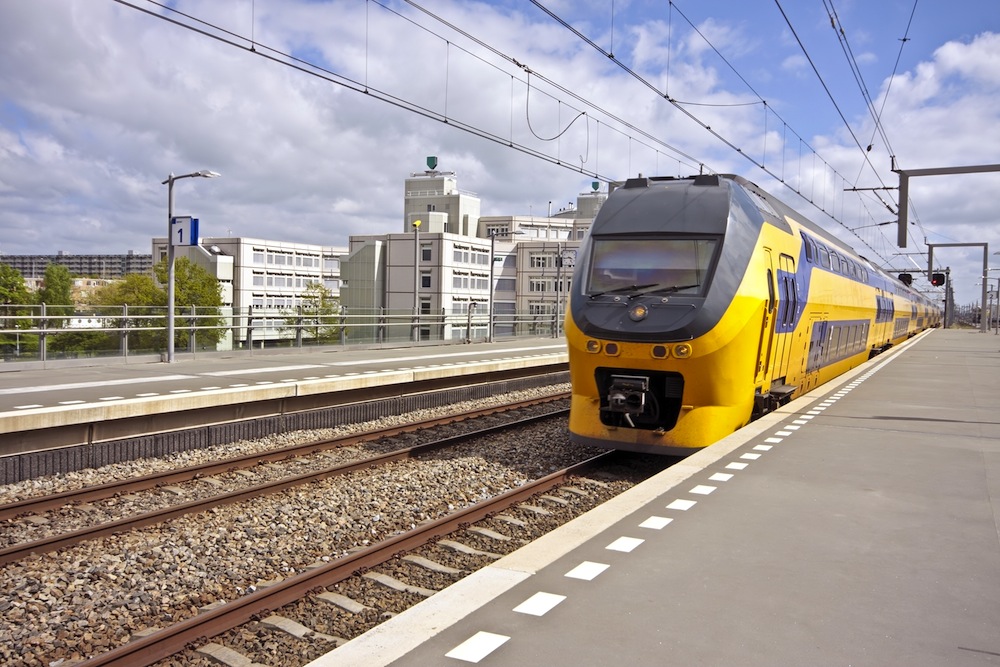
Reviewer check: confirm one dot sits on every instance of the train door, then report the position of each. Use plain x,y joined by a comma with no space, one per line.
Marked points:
766,327
784,322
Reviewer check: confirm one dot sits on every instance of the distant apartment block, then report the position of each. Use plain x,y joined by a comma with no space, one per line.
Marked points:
104,267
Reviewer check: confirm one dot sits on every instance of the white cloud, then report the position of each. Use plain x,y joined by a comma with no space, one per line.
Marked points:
99,102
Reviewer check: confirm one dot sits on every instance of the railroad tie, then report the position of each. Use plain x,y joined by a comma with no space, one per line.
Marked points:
296,629
430,565
342,601
535,509
466,549
486,532
397,585
226,656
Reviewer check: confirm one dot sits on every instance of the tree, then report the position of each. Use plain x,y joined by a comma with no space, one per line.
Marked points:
142,320
146,300
194,286
57,294
12,289
13,298
319,314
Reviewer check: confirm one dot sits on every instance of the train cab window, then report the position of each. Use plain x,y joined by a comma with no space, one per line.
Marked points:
650,265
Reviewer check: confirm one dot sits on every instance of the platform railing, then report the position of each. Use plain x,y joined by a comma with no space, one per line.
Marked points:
50,333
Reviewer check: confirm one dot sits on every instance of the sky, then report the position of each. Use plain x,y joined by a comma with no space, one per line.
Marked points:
314,112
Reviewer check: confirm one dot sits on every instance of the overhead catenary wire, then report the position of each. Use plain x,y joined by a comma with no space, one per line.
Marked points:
302,65
681,107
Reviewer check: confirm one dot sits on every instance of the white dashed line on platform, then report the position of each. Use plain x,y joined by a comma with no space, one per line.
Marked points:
587,570
539,604
477,647
624,544
682,505
656,522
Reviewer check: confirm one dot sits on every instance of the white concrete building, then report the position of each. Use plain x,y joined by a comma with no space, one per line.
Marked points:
269,276
439,279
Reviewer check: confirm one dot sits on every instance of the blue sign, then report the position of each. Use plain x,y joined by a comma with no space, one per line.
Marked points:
184,230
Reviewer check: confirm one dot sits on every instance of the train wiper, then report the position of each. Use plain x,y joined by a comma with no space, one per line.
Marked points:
627,288
668,290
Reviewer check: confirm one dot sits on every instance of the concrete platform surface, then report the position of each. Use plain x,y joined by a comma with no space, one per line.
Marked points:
856,526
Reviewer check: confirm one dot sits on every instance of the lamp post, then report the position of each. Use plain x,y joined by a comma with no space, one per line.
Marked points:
494,233
416,281
204,173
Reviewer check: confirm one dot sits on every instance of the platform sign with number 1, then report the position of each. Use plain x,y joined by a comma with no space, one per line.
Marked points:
184,230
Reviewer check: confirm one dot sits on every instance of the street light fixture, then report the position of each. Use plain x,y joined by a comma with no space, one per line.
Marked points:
416,281
204,173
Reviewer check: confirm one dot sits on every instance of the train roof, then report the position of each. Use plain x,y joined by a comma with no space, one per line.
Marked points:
706,209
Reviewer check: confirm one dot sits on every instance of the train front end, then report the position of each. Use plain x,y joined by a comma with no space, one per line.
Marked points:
660,330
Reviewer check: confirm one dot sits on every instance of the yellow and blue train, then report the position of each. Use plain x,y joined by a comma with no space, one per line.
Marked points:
701,303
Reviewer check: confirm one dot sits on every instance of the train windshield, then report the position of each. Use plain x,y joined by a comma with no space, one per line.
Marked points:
650,265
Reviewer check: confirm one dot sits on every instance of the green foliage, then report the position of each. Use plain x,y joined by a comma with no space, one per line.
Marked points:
57,294
193,285
12,289
147,300
13,298
135,289
319,314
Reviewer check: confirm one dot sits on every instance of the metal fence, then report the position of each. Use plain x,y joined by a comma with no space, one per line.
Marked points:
48,333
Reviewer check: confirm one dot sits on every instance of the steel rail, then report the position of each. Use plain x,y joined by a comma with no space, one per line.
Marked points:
99,492
168,641
20,551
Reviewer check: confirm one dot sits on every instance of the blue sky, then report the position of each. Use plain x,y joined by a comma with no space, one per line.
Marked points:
100,101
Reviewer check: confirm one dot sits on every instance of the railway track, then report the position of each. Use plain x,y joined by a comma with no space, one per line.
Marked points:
415,487
259,605
35,507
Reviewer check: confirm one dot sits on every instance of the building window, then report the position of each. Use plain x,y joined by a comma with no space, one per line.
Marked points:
425,253
425,280
539,285
541,261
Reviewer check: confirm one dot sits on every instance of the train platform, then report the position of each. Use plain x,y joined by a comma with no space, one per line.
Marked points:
856,526
74,397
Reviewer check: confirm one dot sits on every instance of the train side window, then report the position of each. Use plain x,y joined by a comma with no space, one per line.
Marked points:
808,248
824,257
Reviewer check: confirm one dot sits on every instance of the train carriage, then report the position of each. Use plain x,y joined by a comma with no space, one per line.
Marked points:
699,304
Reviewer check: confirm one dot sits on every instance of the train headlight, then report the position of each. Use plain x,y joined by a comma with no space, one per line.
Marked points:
659,351
593,346
638,312
682,350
